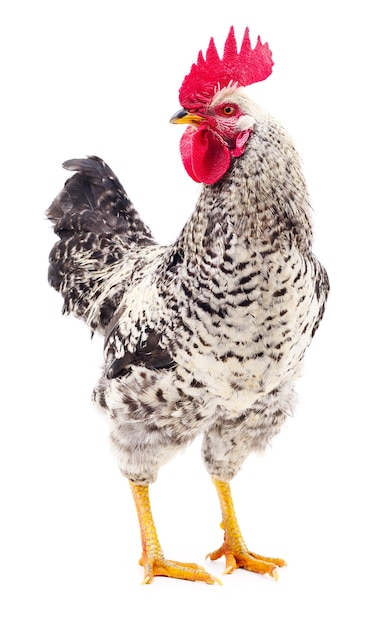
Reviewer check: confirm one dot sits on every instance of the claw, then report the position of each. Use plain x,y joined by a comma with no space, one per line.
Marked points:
275,574
147,580
230,564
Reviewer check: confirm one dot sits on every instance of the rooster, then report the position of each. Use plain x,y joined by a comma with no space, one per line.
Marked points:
207,335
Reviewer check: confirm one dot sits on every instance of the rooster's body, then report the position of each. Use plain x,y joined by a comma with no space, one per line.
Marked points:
206,335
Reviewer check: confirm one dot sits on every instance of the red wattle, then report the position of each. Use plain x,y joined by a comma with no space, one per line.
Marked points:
205,157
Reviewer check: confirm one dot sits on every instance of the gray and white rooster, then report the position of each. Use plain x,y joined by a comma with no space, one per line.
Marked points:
206,335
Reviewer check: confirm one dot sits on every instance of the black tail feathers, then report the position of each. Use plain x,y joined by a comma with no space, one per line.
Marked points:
97,227
94,201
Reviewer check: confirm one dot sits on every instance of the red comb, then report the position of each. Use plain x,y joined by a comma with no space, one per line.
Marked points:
241,68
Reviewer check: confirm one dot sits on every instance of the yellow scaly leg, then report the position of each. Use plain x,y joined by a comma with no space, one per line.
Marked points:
234,549
152,559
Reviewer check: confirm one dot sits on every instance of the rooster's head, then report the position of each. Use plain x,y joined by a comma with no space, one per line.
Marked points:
216,109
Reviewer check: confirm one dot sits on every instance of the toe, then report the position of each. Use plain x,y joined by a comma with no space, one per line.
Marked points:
177,569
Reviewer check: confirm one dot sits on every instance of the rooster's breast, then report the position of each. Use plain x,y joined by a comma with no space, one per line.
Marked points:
240,337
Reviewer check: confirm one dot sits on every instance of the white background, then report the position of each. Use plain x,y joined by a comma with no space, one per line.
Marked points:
102,78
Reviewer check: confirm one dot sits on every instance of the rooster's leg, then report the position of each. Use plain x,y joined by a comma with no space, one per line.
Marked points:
152,558
234,548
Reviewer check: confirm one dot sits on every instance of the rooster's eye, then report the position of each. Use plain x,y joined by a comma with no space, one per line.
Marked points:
228,110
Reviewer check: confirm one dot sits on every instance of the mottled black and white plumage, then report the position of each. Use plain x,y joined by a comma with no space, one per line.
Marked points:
206,335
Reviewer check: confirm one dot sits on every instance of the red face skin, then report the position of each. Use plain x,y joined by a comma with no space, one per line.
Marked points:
211,141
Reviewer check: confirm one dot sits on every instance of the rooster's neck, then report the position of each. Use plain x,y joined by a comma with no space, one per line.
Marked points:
260,204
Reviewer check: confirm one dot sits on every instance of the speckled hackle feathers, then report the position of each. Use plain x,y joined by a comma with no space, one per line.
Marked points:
243,68
205,336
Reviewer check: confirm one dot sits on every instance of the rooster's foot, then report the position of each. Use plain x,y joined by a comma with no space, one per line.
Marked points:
152,559
250,561
234,548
